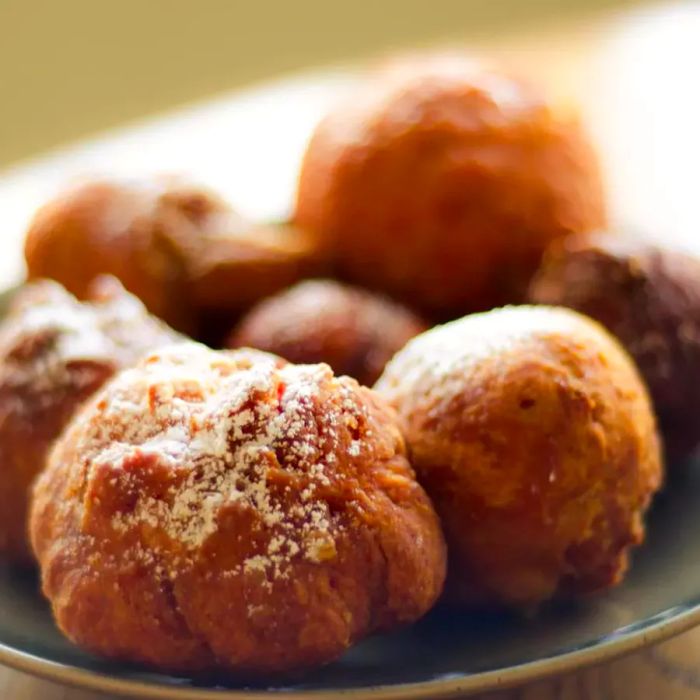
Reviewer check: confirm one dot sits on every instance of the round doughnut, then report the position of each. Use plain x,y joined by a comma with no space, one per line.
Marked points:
532,432
142,231
354,331
441,180
230,511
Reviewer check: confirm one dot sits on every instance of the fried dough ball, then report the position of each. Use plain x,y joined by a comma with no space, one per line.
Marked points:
55,352
177,246
354,331
229,510
532,432
141,231
649,297
442,180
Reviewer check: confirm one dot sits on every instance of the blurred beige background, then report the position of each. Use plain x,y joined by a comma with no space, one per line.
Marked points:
69,68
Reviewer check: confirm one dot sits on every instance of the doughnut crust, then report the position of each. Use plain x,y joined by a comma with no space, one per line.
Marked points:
142,231
441,180
649,297
532,432
55,352
180,248
354,331
232,511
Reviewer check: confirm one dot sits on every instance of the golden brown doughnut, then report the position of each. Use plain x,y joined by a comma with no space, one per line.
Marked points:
354,331
142,231
441,180
232,511
532,432
179,247
55,352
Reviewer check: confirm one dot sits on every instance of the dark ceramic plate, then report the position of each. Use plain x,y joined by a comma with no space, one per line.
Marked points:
445,654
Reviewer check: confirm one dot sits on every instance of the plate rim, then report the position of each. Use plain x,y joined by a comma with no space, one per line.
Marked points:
627,639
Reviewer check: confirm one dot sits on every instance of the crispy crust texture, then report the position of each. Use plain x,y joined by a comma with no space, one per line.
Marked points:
534,436
649,297
232,511
441,181
55,352
354,331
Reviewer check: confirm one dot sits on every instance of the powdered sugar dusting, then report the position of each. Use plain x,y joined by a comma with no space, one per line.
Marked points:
51,342
239,430
436,364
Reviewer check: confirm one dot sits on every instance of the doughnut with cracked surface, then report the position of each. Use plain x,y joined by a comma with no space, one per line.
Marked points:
230,510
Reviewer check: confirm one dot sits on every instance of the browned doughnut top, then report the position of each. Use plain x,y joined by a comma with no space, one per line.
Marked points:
440,180
231,509
144,231
533,433
237,265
